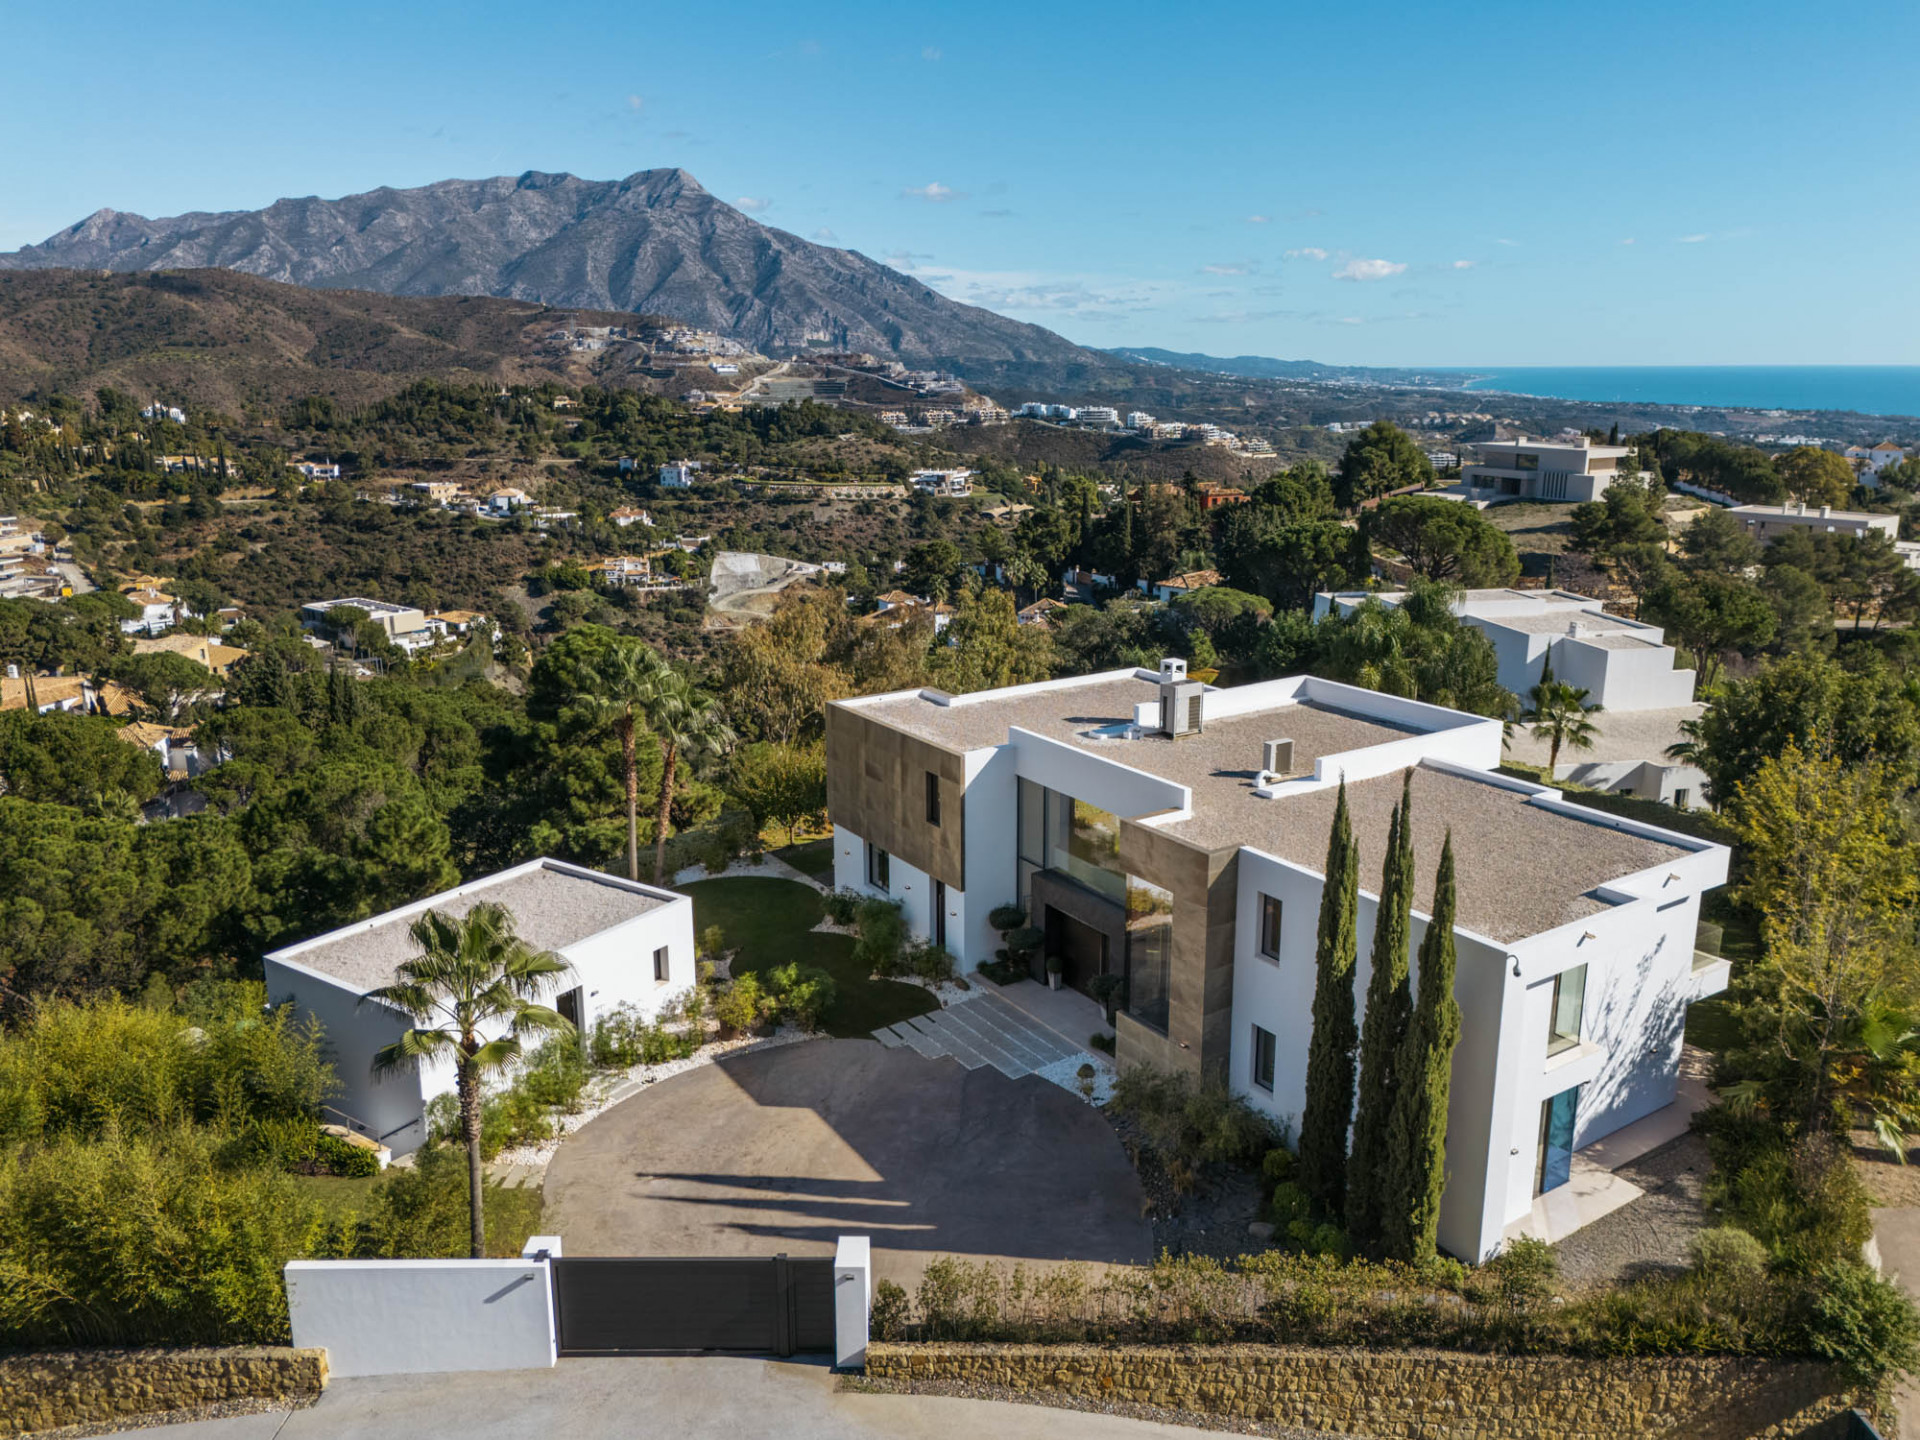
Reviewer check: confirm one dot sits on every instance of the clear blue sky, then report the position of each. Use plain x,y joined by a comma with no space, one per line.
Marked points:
1366,183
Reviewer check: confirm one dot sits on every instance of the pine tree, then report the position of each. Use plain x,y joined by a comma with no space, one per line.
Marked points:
1389,1009
1418,1136
1336,1035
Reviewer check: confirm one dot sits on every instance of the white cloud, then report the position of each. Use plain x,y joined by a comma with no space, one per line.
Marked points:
1309,252
752,204
1227,269
1514,243
825,236
1627,241
1463,264
634,102
1258,219
1369,270
932,52
1692,239
934,191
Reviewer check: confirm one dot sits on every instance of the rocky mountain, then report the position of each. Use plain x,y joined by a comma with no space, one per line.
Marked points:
653,242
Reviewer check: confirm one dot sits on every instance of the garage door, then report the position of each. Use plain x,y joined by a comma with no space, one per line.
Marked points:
630,1306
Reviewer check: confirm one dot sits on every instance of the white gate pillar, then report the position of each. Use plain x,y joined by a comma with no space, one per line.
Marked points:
852,1301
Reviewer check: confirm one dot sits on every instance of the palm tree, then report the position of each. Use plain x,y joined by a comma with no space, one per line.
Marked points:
1560,717
473,976
688,724
620,691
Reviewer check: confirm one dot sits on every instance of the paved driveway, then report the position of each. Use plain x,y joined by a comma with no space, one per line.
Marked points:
1896,1231
789,1148
709,1398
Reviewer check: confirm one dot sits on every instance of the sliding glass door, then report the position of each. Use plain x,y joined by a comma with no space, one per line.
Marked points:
1555,1164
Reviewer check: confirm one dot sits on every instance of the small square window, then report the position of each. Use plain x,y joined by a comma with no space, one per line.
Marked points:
1263,1050
660,963
933,798
1270,927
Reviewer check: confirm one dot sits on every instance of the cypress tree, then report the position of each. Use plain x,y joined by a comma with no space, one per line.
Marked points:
1389,1009
1336,1035
1418,1140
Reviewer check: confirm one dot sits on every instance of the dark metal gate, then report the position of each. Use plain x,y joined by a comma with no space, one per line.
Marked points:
630,1305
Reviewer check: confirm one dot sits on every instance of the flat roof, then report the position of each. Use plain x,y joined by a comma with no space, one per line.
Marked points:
372,607
553,905
1520,868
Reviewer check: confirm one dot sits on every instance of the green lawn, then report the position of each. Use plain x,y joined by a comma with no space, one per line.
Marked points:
811,857
770,923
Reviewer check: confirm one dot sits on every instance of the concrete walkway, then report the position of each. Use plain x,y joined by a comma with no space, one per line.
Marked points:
689,1398
988,1031
1896,1233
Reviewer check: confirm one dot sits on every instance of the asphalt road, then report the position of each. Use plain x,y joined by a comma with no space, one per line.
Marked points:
790,1148
684,1398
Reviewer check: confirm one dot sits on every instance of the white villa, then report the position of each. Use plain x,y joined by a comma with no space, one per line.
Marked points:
1172,834
626,943
1567,469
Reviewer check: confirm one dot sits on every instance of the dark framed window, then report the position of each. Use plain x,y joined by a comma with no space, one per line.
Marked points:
1270,927
1263,1051
660,963
933,798
876,866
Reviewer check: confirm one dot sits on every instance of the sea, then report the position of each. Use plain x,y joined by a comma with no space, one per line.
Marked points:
1869,389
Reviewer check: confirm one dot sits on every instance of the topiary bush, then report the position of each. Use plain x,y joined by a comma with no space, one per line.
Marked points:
1007,917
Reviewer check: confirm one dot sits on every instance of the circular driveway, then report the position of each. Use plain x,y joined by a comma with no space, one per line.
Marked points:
789,1148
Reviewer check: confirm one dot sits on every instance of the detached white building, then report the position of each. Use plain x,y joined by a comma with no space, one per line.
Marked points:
1621,664
1567,469
953,483
1767,523
625,943
1171,834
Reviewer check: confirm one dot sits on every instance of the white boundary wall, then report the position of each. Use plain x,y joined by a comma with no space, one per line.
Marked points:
405,1317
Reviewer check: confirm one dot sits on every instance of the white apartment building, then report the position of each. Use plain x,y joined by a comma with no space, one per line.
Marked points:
625,944
952,483
1172,834
1621,664
1097,415
1767,523
1140,420
1570,469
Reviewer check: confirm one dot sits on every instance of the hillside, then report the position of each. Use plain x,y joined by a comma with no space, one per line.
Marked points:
653,242
230,341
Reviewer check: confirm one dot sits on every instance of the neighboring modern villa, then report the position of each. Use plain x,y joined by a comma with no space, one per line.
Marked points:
1572,469
1172,834
626,944
1625,666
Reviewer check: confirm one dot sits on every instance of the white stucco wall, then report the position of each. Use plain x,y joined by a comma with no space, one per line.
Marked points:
387,1107
615,967
409,1317
992,807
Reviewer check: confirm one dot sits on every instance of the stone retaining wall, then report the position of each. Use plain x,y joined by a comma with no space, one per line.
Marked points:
46,1389
1412,1394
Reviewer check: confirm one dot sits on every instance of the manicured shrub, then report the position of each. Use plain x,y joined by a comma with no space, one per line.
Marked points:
928,961
882,945
801,993
1276,1166
1727,1252
1007,917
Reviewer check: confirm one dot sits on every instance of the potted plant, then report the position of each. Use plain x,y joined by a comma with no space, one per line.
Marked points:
1055,965
1106,989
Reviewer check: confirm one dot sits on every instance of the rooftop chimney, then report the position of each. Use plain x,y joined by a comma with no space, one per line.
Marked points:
1172,670
1826,512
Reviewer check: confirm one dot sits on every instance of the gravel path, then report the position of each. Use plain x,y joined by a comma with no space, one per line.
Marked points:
1648,1234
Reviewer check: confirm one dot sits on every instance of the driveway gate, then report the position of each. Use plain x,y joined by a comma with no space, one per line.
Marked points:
630,1305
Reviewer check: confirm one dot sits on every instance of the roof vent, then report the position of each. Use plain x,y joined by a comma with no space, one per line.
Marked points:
1277,757
1172,670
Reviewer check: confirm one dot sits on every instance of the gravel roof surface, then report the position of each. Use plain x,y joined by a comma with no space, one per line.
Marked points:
552,909
1520,869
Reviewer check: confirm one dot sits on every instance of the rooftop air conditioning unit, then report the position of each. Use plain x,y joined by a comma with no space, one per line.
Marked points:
1277,757
1180,706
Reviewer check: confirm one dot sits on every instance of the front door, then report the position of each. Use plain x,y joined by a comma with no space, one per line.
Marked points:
569,1006
1081,948
1554,1165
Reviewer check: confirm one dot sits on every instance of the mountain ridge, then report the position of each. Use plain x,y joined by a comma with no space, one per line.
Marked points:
653,242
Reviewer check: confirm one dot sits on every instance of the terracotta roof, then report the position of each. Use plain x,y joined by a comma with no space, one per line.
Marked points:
1192,580
47,689
147,735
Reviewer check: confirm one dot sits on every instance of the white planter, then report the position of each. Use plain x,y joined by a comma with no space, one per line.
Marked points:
1053,982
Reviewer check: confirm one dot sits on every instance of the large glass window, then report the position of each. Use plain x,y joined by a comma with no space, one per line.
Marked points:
1081,841
1569,1009
1263,1054
1270,927
1149,952
1553,1166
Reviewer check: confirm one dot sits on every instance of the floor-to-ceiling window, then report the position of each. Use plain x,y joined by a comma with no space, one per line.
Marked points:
1149,952
1071,838
1554,1166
